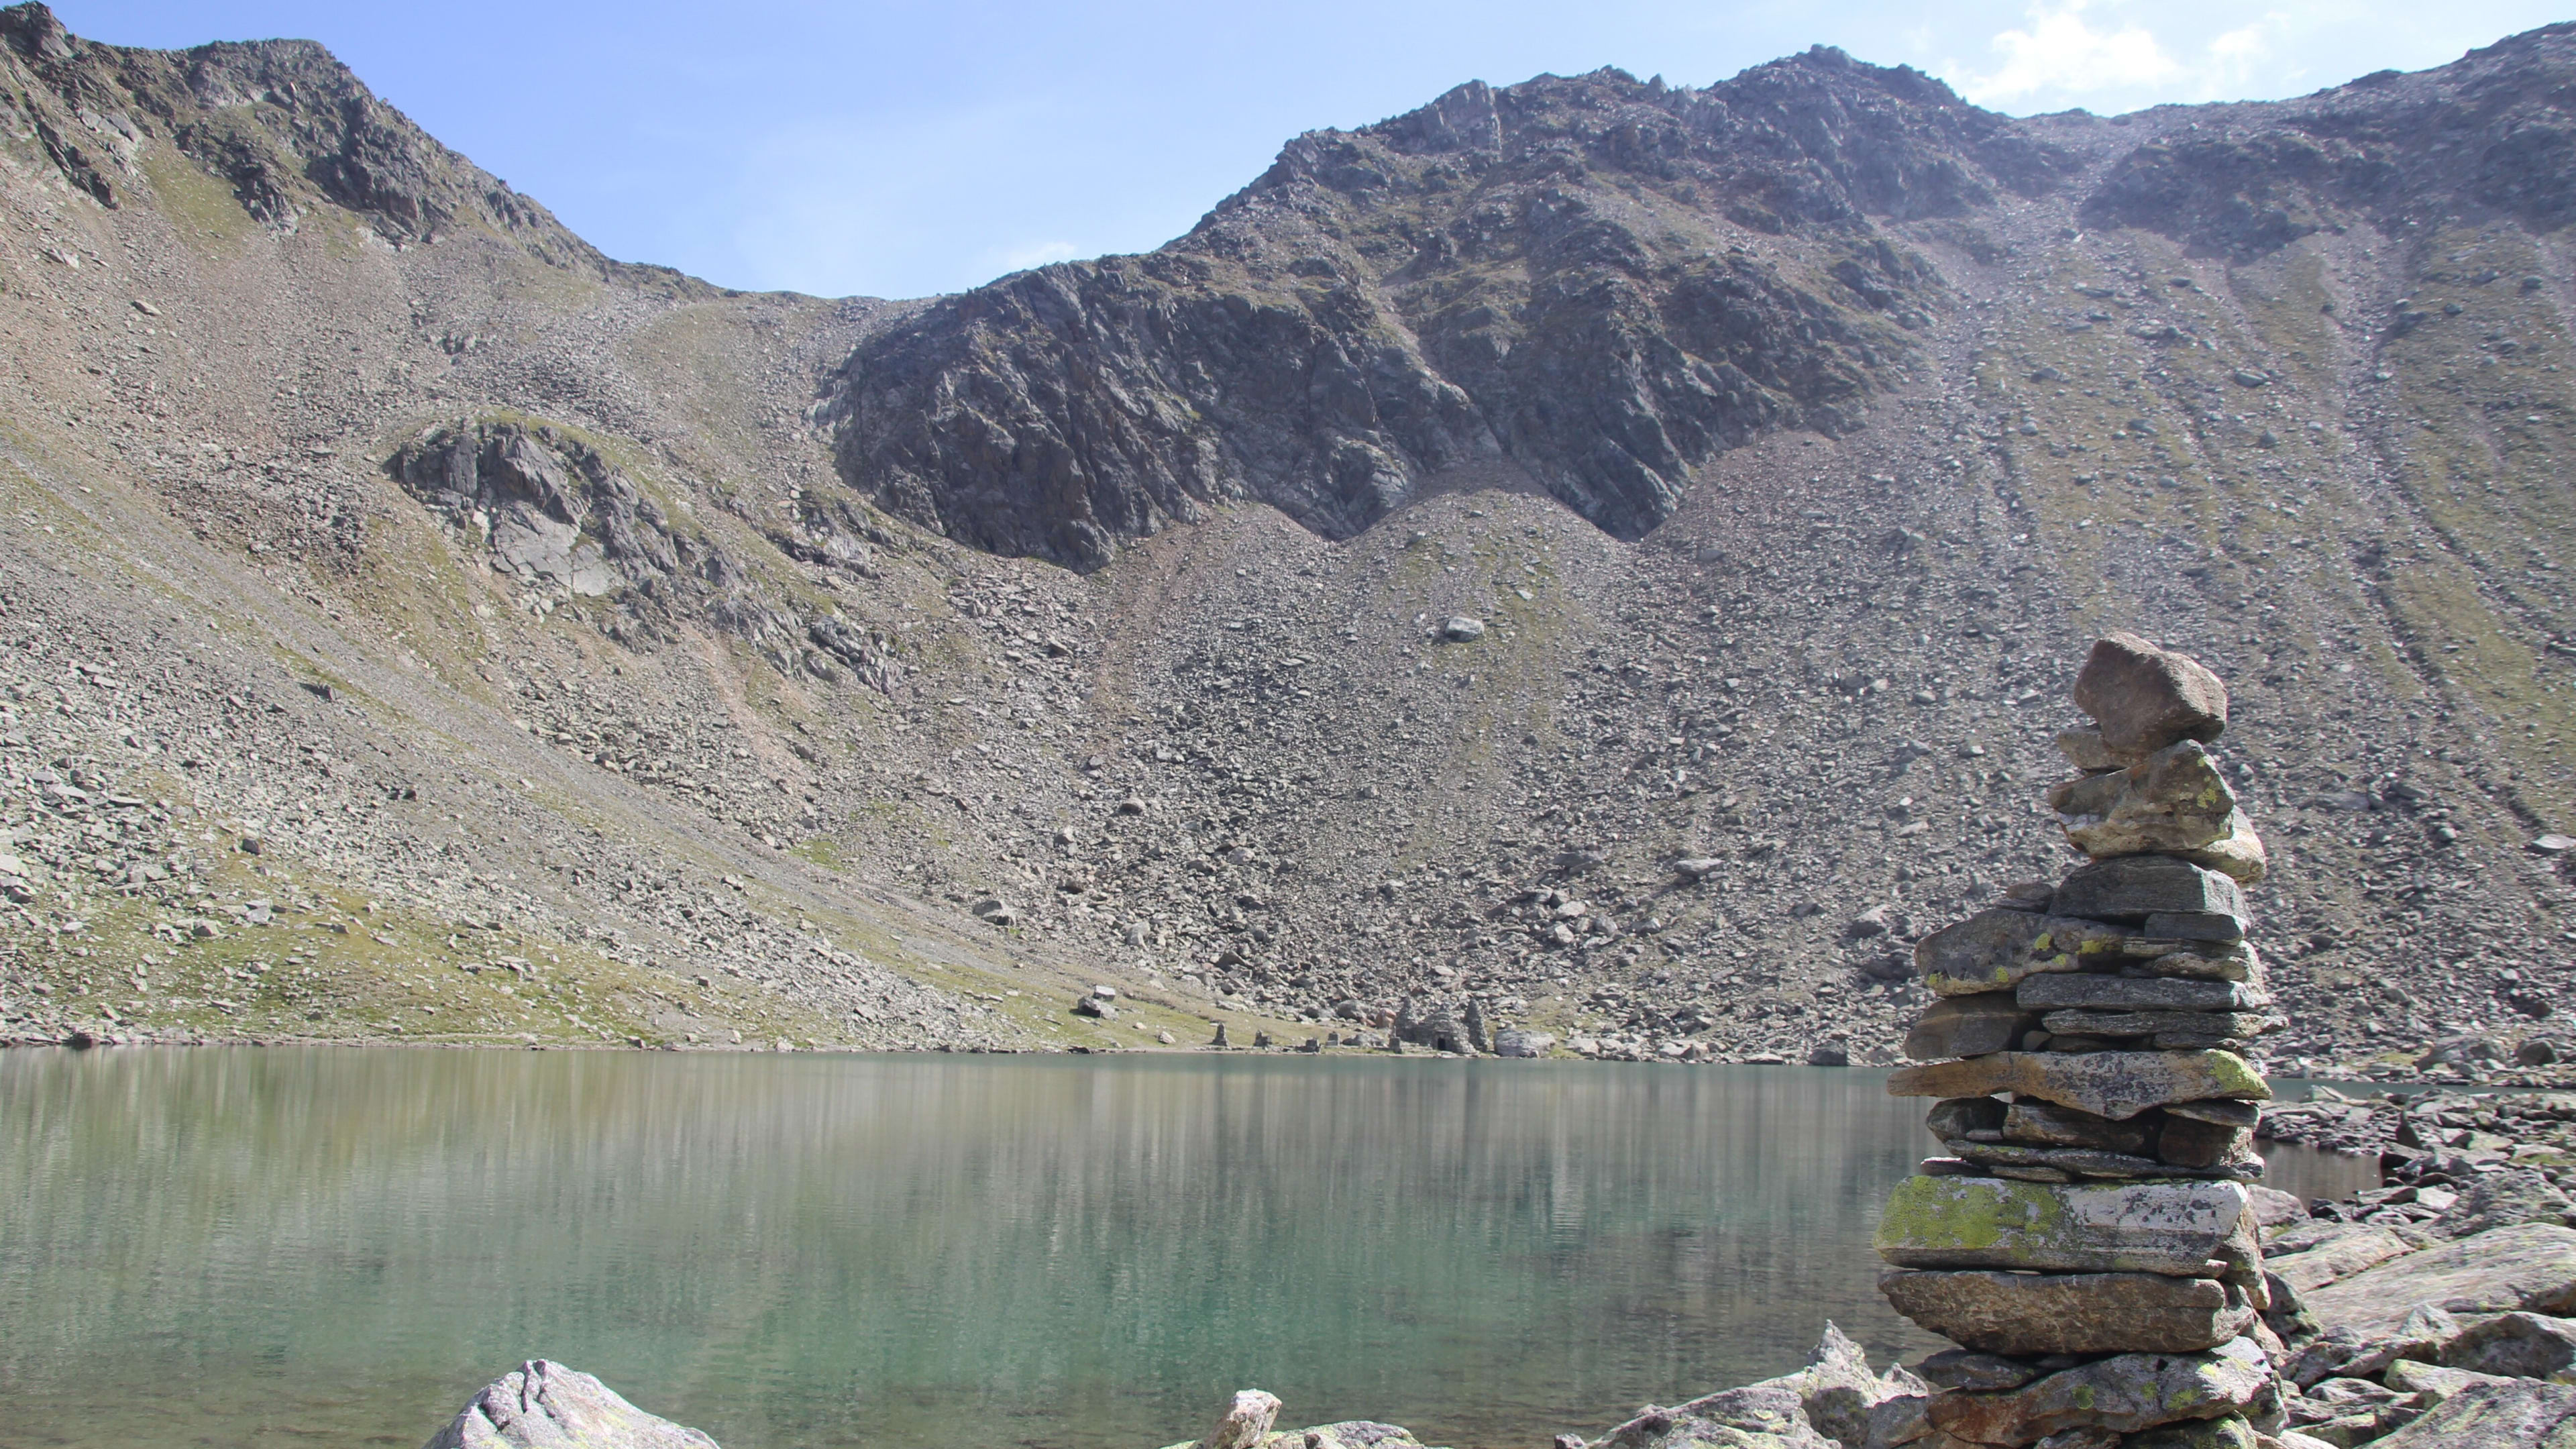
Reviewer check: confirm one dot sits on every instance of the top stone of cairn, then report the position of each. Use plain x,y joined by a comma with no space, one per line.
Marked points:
2145,698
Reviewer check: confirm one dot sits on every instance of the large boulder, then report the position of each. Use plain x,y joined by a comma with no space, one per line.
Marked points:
2525,1414
1836,1389
2126,1393
2517,1345
2530,1268
2504,1199
2345,1352
2043,1313
2332,1262
2190,1230
2107,1084
2145,698
1245,1422
544,1405
1757,1416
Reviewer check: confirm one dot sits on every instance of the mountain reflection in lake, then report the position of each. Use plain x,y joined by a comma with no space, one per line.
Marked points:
264,1247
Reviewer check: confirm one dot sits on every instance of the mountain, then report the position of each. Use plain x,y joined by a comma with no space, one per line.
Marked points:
393,584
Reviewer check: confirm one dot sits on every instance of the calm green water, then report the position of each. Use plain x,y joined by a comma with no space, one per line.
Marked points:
247,1247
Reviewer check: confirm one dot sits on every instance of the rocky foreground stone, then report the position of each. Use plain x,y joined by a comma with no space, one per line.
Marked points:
544,1405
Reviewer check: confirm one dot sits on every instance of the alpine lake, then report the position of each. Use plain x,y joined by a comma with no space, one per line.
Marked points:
274,1247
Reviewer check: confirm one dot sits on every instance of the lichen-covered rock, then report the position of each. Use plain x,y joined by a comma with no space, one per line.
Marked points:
1995,949
1245,1421
2523,1414
2173,802
2118,1085
2517,1345
2181,1229
544,1405
2043,1313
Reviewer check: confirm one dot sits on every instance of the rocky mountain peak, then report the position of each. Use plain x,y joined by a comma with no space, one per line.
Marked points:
282,122
33,31
1585,287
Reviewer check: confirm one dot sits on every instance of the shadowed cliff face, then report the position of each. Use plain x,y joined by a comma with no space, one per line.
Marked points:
1585,287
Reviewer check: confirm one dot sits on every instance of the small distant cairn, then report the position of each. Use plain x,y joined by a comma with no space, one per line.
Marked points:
2090,1240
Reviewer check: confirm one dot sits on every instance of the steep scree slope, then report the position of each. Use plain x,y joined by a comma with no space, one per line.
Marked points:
658,653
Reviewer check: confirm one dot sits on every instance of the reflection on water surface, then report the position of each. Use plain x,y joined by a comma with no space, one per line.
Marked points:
265,1247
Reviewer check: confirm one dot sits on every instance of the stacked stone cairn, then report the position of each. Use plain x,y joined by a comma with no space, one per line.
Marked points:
2089,1239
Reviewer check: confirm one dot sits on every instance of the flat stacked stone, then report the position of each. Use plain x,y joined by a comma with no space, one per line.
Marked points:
2087,1237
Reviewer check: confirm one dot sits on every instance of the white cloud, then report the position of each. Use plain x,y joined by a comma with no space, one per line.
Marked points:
2063,54
2079,52
1035,254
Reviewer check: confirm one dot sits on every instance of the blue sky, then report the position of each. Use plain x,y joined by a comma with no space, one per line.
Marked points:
906,147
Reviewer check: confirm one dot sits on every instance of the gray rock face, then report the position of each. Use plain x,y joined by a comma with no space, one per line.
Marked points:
2530,1268
2145,698
1969,1026
2169,1030
2520,1415
542,1405
2135,889
2044,1313
1271,354
2516,1345
549,507
2490,1200
2122,993
2332,1261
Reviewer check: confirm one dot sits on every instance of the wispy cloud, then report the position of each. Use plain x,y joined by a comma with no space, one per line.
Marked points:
2061,51
2078,52
1036,254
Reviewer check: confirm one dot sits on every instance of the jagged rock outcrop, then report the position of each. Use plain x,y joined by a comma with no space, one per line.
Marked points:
547,507
283,122
1586,286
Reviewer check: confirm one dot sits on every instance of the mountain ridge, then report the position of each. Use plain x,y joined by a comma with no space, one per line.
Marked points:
1788,438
